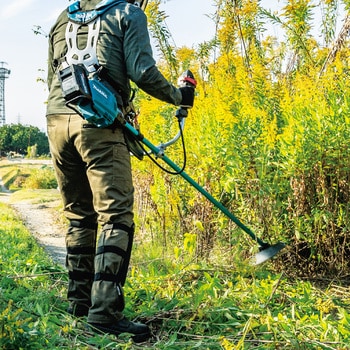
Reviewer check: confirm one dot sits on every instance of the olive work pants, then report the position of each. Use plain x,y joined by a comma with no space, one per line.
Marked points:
93,172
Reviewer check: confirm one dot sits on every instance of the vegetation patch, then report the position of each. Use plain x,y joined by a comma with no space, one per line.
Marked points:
269,137
27,175
187,303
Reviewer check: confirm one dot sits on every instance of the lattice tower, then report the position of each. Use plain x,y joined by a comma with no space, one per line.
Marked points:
4,73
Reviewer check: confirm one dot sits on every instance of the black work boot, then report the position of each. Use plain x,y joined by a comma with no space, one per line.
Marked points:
140,331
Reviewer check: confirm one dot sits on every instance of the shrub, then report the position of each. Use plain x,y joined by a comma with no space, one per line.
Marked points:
43,178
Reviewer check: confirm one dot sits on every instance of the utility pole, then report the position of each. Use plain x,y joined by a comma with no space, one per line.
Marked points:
4,73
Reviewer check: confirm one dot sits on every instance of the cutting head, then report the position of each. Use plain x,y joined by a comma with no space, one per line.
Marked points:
267,253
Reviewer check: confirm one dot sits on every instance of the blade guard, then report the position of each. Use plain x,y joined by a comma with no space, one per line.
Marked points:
267,253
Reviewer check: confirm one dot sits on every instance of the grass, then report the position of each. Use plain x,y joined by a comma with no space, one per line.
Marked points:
35,196
188,304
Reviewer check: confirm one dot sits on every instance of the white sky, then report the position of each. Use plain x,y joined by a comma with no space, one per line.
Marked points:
26,53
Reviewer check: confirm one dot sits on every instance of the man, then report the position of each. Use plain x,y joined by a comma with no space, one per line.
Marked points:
92,164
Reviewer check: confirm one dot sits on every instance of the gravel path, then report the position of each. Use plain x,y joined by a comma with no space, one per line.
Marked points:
42,220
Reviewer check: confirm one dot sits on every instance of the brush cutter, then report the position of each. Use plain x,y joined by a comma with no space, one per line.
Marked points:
266,250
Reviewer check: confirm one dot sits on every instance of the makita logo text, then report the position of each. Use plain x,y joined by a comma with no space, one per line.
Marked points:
100,91
82,16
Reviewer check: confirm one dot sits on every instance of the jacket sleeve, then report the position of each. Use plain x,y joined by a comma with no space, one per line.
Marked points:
56,44
50,69
140,64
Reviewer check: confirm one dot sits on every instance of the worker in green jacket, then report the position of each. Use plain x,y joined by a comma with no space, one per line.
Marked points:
92,164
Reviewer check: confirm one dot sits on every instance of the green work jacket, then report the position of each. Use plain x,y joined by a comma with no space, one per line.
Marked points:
123,48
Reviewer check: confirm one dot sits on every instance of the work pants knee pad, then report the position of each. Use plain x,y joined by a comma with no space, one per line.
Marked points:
111,265
81,246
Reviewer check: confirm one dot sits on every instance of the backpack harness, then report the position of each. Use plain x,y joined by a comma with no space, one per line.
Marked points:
80,75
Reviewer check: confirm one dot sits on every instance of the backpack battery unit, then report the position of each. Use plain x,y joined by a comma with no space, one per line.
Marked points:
83,89
74,83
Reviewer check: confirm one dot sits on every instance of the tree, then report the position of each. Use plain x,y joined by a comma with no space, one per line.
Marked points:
19,138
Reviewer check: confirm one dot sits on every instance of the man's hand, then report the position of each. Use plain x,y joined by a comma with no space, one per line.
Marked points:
187,96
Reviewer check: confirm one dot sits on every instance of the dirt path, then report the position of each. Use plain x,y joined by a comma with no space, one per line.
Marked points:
42,220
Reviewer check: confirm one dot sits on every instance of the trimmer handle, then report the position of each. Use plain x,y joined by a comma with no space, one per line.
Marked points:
187,79
187,85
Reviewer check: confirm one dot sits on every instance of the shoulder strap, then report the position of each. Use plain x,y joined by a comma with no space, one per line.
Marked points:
76,15
87,55
77,19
